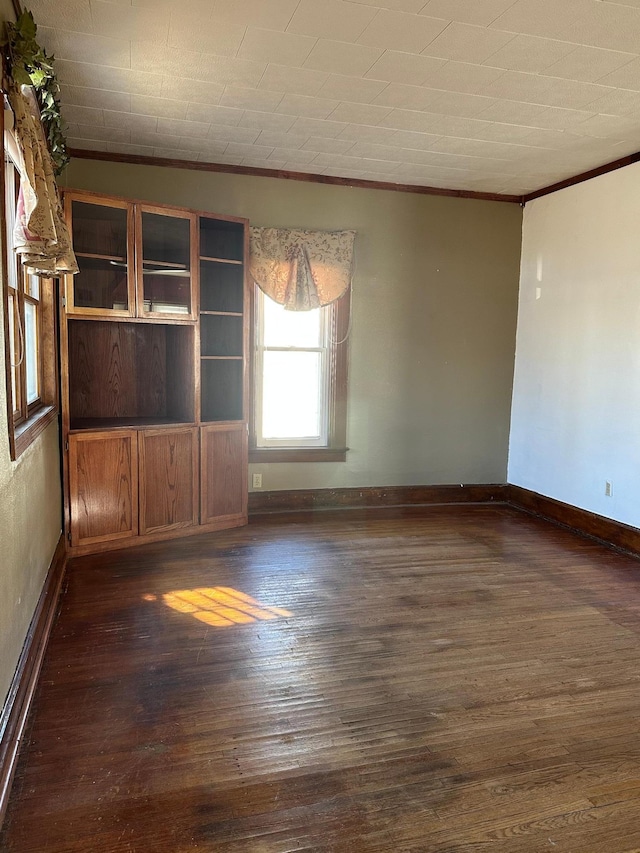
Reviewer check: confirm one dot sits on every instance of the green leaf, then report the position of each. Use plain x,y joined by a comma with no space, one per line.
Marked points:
21,76
38,77
26,25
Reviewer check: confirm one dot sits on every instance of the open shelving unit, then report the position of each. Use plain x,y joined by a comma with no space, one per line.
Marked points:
222,319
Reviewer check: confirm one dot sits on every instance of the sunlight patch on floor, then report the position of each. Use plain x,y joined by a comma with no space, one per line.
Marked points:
221,606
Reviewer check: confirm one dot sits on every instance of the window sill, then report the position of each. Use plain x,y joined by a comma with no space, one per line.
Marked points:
298,454
27,432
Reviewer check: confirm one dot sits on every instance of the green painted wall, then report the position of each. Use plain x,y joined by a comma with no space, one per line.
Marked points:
30,509
434,315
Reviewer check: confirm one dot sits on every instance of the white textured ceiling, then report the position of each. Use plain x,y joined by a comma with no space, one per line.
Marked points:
502,96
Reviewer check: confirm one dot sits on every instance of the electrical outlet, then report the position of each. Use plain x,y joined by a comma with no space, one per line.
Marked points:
608,488
257,481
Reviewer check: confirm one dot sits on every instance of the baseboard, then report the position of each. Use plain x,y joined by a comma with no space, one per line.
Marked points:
16,707
581,521
371,496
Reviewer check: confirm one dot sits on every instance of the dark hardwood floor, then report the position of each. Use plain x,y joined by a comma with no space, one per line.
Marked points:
449,680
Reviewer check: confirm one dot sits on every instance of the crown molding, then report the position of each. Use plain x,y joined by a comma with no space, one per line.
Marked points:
583,176
196,165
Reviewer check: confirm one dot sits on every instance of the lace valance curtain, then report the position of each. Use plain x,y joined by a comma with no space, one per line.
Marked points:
41,236
299,269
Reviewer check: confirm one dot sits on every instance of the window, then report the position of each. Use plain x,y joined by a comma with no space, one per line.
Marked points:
299,371
30,352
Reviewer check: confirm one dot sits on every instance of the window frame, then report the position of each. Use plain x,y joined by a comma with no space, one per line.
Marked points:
337,354
26,420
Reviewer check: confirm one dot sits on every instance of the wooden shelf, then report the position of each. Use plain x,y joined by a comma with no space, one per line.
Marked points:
221,261
167,308
172,273
94,257
223,313
164,264
221,357
101,424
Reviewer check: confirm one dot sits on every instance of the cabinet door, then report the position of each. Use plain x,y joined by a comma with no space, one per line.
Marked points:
103,242
168,479
166,251
224,473
103,485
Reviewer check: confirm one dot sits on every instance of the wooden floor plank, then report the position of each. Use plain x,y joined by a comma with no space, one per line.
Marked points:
438,680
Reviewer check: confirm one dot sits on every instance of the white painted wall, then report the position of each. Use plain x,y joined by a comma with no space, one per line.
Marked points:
575,419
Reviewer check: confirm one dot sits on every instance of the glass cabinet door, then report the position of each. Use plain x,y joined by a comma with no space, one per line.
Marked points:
165,268
102,242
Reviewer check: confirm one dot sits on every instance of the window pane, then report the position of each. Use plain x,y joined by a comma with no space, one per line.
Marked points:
290,328
15,356
32,286
10,208
31,351
292,395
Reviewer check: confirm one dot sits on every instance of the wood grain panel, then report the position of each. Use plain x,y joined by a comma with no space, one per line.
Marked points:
180,373
459,679
103,484
119,370
224,468
150,366
168,479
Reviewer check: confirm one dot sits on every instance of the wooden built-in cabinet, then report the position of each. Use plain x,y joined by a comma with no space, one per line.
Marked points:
154,344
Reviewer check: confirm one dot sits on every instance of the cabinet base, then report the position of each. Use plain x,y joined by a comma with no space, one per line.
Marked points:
160,536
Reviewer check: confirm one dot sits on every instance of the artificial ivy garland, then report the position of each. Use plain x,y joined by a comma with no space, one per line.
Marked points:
28,64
